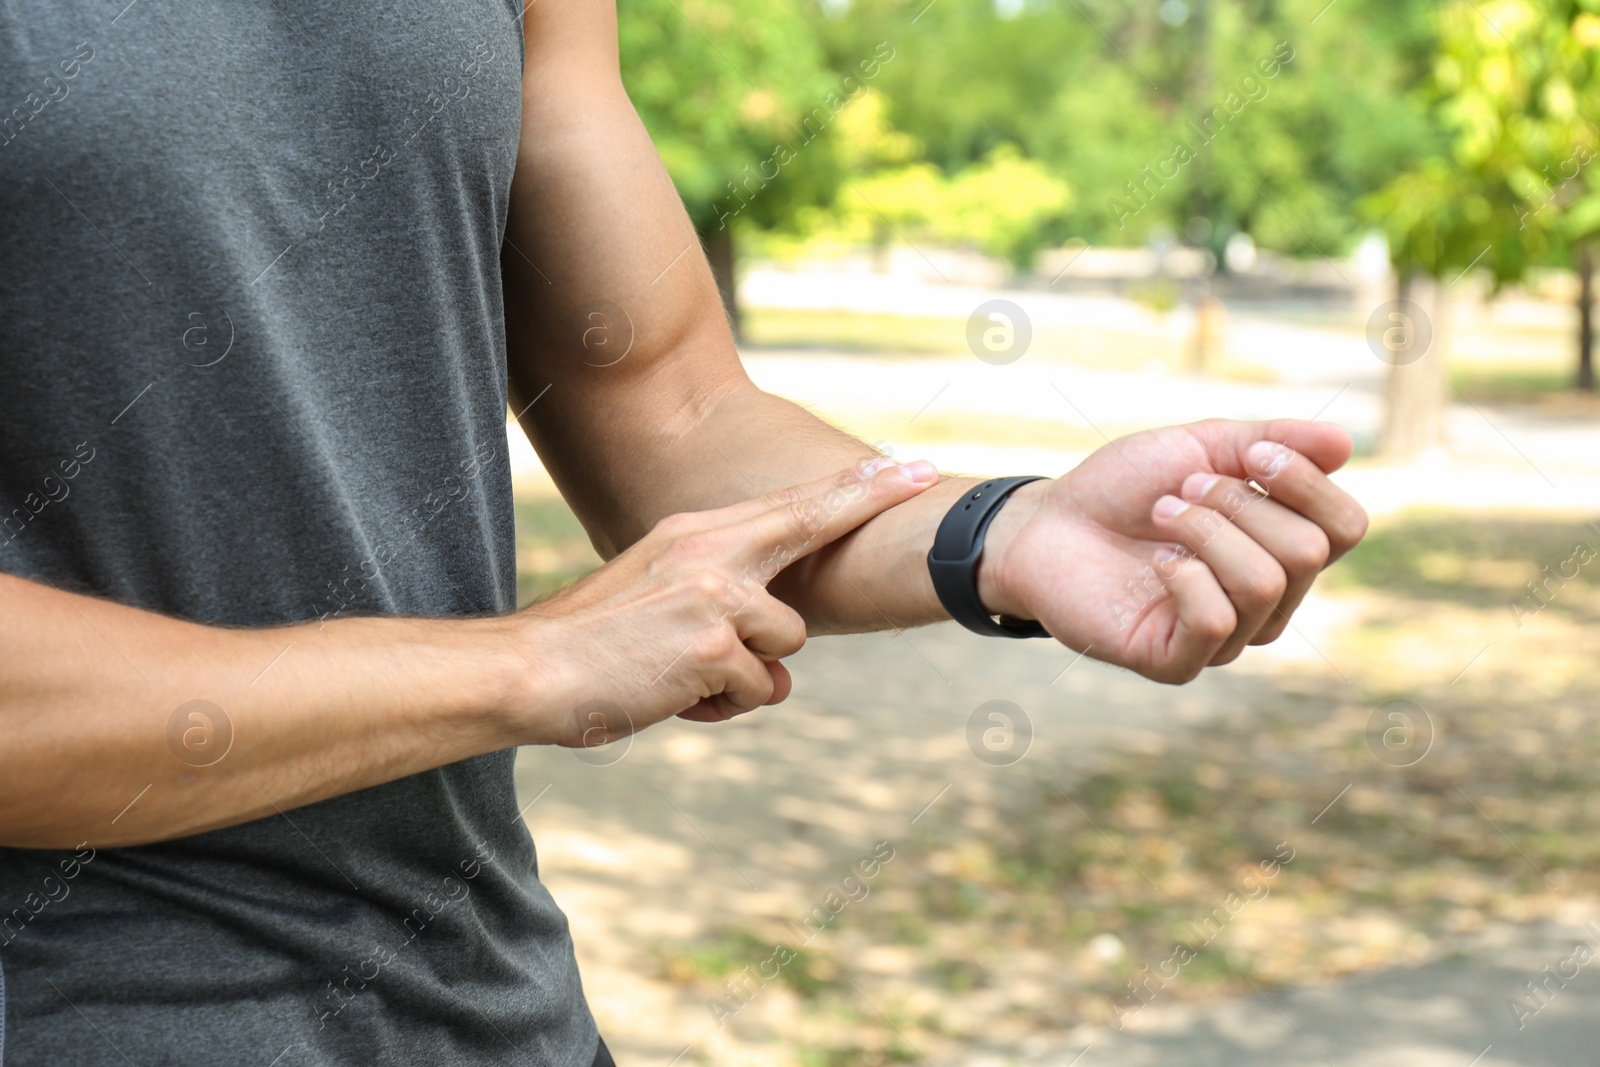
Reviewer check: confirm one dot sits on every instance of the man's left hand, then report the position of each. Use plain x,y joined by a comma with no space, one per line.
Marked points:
1160,553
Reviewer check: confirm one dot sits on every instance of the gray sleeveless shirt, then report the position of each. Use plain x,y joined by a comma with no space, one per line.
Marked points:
252,371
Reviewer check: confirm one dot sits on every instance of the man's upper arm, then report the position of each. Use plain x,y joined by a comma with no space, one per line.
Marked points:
601,259
575,40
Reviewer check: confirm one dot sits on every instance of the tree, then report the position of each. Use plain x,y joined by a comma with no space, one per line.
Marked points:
1580,219
737,97
1543,86
1506,85
1102,93
1001,204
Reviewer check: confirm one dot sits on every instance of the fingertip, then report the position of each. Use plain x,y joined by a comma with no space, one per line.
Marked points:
1197,485
782,682
1326,444
919,472
869,467
704,711
1168,507
1266,459
1340,447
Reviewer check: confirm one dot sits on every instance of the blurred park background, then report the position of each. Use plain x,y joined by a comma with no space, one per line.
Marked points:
995,234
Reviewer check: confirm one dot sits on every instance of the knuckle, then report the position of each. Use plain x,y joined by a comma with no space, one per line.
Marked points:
792,632
709,585
1269,587
1268,634
761,690
716,643
696,543
1310,553
1215,624
1225,657
782,629
1350,530
670,527
788,496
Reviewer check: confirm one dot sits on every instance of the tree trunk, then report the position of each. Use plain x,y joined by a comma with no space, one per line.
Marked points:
720,252
1210,329
882,248
1586,316
1414,402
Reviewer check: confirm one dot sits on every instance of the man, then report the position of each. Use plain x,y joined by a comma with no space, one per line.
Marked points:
272,273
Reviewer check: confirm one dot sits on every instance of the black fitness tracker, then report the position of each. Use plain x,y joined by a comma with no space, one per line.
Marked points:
957,547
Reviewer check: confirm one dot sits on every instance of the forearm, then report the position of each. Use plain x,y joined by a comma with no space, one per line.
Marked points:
621,364
752,442
741,442
89,688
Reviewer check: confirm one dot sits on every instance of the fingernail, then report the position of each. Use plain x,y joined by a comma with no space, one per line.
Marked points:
1170,507
920,471
1171,553
1197,485
872,466
1267,457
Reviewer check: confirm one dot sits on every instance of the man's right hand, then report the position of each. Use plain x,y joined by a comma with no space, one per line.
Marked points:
681,623
93,693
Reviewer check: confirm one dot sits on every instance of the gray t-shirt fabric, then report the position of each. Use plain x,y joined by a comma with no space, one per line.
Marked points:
252,372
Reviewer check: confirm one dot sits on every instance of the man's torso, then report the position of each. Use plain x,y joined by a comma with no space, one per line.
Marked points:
252,371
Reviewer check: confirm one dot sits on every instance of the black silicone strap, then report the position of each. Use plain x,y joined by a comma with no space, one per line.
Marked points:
957,547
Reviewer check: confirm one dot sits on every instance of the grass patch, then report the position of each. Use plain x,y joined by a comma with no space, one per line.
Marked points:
934,427
552,548
740,956
845,332
853,332
1476,560
1509,381
857,1056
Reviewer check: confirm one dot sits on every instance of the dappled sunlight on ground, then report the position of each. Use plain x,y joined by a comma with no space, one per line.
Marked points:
715,875
1024,898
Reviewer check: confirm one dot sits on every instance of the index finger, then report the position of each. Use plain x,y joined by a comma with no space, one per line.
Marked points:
1228,443
1298,483
776,529
1291,459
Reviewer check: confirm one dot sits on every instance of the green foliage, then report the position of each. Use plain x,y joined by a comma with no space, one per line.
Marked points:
1097,92
552,548
1478,562
1455,125
721,85
1001,204
1513,84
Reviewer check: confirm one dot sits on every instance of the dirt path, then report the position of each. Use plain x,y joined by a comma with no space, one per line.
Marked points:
1448,1014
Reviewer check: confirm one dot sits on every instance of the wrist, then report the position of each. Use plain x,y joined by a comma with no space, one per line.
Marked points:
512,683
544,680
998,587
